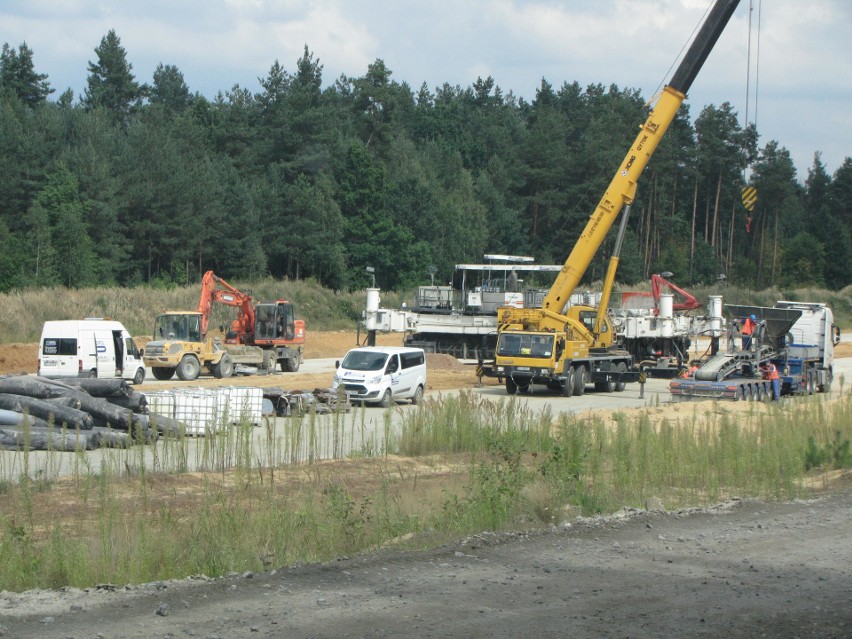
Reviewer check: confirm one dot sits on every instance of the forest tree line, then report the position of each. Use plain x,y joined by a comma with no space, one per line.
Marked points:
135,182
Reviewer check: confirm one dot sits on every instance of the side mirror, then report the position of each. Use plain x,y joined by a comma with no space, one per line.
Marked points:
337,363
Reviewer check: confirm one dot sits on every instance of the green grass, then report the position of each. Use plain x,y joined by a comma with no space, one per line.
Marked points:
269,501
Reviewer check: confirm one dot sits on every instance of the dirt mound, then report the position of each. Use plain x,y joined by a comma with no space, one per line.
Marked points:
442,362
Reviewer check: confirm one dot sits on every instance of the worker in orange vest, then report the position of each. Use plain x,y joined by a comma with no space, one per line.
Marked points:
770,373
748,328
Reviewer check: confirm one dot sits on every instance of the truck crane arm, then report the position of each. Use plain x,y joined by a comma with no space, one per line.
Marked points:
229,296
622,189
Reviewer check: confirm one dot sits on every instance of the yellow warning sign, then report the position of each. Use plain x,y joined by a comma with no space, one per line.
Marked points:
749,197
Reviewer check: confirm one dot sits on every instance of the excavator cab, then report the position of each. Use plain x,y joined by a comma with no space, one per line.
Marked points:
275,322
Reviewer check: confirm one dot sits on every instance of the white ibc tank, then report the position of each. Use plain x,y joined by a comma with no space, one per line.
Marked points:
200,410
243,404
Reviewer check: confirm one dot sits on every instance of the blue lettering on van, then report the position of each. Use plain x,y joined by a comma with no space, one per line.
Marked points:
101,346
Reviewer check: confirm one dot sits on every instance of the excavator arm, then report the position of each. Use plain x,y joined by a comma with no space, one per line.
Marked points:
688,301
216,290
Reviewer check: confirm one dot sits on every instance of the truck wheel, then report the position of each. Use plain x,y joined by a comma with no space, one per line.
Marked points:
418,396
511,386
270,361
291,364
385,401
189,368
224,367
581,376
811,383
568,384
139,377
742,394
621,385
163,373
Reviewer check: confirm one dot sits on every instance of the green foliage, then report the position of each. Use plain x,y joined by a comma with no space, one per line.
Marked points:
302,182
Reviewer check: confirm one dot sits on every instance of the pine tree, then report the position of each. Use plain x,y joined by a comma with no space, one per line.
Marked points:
110,84
17,74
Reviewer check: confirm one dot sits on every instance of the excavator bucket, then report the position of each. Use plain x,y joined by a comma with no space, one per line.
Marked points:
778,321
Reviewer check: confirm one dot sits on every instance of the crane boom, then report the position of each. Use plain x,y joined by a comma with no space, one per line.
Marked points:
565,349
622,188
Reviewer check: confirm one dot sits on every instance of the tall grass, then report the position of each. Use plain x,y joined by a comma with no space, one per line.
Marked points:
265,497
22,313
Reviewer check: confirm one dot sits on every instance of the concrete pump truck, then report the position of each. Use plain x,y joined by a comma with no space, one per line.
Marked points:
566,350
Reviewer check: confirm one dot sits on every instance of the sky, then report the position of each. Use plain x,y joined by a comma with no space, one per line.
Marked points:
792,75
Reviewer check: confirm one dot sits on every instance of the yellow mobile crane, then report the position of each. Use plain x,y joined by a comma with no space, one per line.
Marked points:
566,350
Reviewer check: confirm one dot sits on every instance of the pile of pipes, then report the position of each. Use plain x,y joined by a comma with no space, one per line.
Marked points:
37,413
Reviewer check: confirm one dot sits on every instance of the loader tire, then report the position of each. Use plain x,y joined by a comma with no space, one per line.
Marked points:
224,368
163,373
189,368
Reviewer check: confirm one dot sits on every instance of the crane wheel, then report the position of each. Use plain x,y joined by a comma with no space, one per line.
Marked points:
581,376
621,385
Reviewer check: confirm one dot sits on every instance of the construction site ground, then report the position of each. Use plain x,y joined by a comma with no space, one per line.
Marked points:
740,569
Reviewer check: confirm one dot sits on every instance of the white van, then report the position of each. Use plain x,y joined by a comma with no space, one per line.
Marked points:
382,374
89,348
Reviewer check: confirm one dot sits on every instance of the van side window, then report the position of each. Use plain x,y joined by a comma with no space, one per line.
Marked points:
410,360
59,346
393,364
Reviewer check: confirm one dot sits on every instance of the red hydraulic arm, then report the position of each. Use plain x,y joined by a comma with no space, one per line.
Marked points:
688,302
243,326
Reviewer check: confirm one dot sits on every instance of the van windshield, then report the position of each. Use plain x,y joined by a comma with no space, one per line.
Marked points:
364,361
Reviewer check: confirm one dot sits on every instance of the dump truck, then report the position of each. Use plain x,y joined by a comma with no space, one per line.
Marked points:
798,338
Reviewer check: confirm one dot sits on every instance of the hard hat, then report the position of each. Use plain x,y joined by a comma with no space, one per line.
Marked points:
753,318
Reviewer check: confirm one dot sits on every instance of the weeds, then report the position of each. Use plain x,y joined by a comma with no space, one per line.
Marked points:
264,498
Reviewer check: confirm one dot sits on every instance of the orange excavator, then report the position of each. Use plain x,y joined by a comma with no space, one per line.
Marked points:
263,335
271,326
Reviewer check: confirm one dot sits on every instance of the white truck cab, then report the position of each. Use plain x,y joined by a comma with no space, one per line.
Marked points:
89,348
382,374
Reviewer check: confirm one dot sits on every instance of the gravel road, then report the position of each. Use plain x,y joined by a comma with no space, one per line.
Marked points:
741,569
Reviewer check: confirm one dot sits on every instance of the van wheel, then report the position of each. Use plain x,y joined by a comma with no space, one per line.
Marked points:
385,401
139,377
189,368
224,367
418,396
163,373
93,374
